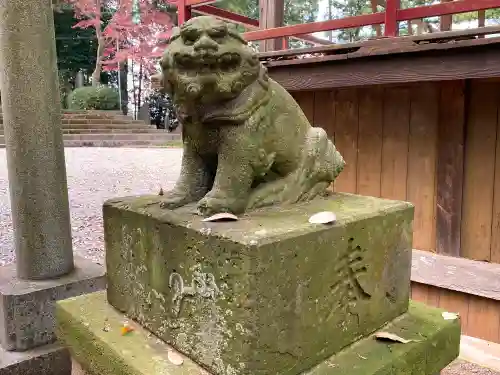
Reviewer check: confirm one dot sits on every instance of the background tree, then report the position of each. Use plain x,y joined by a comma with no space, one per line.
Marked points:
76,48
128,33
347,8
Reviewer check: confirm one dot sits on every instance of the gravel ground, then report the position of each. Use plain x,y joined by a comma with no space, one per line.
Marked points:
465,368
94,175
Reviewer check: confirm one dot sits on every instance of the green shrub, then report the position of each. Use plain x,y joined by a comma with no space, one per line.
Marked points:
89,97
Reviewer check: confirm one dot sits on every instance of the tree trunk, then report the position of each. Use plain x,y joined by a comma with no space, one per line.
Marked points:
134,89
139,95
124,86
96,74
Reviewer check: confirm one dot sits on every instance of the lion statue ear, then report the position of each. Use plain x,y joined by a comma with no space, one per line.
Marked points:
232,30
176,32
232,27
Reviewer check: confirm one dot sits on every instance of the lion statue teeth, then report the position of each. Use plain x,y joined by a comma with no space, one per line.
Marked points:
247,143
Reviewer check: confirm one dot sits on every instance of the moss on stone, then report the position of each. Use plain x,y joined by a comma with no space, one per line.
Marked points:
435,344
90,328
279,222
81,322
289,293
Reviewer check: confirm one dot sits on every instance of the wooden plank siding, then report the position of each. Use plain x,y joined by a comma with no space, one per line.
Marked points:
434,144
480,317
467,287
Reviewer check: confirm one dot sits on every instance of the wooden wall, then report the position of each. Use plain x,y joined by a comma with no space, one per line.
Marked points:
479,316
434,144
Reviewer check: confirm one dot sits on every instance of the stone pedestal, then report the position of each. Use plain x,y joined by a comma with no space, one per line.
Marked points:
45,269
27,318
270,287
267,294
52,359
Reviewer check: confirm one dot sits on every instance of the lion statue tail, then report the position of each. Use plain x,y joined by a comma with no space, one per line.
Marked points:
321,157
319,166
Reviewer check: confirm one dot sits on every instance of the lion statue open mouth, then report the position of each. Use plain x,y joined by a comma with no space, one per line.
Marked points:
207,57
247,143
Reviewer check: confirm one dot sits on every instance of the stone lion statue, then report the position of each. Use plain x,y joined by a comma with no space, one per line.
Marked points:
247,143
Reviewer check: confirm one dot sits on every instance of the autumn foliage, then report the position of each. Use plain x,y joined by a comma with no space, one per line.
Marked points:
134,34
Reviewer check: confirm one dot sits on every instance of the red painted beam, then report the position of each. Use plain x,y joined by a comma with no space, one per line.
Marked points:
226,15
183,11
248,22
198,2
390,18
452,7
309,28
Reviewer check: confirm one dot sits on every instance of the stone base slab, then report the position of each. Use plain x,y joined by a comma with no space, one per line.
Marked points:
90,328
50,359
27,307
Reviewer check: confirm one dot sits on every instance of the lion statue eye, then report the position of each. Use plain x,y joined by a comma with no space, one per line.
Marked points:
189,38
217,35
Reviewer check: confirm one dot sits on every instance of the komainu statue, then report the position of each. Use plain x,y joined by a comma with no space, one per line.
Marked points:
247,143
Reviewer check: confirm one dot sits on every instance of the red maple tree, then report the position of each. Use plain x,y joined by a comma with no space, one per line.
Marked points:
125,36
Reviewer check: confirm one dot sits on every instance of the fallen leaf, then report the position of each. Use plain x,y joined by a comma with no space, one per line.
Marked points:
449,316
325,217
206,231
223,216
175,358
126,329
386,336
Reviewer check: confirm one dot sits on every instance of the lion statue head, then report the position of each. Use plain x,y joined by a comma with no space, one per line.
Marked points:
207,62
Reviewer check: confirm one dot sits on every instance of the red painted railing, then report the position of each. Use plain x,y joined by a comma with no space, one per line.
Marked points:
390,18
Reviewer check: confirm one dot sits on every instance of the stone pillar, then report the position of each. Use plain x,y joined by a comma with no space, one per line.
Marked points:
79,79
33,136
39,197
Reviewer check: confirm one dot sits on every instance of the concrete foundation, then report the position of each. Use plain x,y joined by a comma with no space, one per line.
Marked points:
90,327
50,359
27,308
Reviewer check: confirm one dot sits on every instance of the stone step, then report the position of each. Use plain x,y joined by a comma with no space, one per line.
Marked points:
138,142
98,121
96,114
116,130
116,136
95,111
110,130
116,143
99,126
